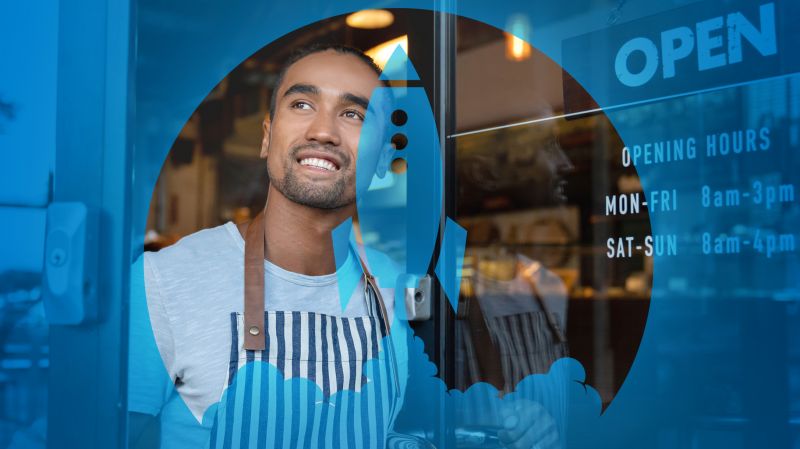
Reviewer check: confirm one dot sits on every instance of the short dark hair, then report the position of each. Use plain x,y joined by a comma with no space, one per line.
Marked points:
310,50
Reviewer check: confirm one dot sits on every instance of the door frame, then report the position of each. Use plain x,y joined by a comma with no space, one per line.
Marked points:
88,362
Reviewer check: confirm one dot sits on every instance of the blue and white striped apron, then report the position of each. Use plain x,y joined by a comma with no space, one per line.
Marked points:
320,381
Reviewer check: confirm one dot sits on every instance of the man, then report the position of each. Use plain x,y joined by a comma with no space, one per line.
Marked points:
195,288
310,144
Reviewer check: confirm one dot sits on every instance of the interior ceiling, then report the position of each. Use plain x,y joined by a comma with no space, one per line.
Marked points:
470,34
511,91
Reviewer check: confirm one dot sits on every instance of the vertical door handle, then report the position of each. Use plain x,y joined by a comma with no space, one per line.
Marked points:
70,264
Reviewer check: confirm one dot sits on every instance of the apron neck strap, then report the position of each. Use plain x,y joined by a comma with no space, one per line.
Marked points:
254,306
254,285
370,283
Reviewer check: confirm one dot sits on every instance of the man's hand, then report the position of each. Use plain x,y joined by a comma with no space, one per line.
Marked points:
527,425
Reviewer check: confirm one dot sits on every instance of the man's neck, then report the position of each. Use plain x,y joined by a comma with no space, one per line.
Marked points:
298,238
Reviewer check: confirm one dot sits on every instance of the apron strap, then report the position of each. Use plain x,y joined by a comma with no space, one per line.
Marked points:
369,279
551,321
384,320
254,286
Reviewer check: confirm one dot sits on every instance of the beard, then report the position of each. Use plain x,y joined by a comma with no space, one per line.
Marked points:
335,195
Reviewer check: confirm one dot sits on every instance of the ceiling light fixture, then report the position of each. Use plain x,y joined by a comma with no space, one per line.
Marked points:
516,48
382,52
519,32
370,19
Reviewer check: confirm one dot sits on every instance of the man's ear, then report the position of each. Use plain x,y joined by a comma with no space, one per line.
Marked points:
385,160
265,139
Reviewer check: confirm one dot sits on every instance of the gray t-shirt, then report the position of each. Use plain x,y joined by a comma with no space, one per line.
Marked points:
191,289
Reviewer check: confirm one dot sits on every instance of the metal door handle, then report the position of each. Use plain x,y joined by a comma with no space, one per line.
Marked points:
418,300
70,264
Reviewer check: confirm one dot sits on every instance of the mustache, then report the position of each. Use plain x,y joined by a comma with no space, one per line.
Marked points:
342,155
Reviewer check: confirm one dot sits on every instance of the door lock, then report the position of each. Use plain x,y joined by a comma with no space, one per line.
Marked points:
70,264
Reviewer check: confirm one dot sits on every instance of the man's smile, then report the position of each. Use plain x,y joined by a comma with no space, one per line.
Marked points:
560,189
320,160
318,163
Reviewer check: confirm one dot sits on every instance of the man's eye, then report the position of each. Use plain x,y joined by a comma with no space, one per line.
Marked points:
354,114
301,105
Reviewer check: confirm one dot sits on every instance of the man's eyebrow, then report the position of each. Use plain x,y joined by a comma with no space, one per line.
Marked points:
302,89
354,99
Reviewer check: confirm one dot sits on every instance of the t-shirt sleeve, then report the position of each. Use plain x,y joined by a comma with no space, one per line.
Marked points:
151,364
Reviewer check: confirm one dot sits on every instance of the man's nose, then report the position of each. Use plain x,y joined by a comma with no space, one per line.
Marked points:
564,163
323,129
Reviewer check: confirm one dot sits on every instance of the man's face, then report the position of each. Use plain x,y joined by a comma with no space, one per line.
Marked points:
311,144
548,167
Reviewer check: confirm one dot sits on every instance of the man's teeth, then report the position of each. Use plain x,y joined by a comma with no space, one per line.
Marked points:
321,163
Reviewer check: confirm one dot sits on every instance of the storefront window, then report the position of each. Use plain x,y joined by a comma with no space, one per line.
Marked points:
531,178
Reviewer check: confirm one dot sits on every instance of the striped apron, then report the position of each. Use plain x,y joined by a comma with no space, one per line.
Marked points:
305,379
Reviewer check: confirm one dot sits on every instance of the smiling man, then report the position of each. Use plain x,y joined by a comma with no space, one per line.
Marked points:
268,290
223,299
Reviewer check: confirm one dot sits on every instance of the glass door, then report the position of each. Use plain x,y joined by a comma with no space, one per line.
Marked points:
560,252
526,175
64,189
91,183
525,167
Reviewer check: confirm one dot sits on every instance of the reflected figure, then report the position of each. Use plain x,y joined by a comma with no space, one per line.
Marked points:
523,306
513,309
513,168
509,284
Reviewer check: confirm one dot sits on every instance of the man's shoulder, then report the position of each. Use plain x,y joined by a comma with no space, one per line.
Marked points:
211,247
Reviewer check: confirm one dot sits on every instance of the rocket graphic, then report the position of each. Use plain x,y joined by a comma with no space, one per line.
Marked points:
400,212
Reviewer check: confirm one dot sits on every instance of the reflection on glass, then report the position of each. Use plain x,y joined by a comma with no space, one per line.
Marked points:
23,361
536,283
